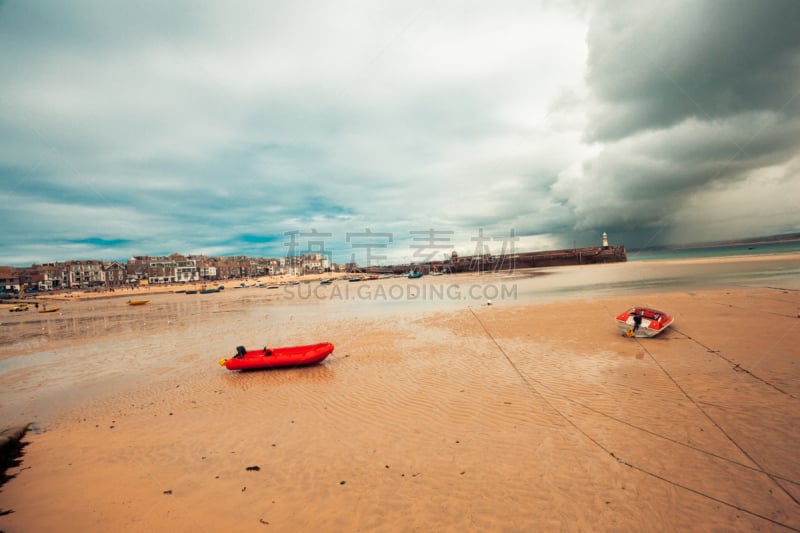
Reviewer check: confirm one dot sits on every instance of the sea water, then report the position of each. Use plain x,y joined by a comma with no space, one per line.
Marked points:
696,252
619,279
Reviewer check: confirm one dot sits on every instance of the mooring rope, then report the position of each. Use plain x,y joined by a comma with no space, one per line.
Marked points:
622,461
738,367
716,424
760,468
664,437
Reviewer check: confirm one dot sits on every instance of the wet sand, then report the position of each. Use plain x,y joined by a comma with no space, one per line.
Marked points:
445,414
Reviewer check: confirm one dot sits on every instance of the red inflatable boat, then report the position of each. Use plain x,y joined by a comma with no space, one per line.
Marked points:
275,357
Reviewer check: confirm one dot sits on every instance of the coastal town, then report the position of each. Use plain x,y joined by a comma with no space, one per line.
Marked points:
153,270
176,268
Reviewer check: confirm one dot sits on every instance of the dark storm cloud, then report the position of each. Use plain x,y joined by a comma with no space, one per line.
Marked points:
689,100
652,66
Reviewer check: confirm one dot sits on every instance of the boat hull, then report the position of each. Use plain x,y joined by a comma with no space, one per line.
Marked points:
651,322
280,357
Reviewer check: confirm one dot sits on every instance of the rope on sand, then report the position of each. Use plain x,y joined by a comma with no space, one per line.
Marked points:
738,367
537,392
665,437
717,425
631,465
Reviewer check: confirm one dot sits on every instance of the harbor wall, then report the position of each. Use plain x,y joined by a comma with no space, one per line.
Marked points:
509,262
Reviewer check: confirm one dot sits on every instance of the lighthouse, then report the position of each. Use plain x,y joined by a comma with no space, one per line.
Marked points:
605,241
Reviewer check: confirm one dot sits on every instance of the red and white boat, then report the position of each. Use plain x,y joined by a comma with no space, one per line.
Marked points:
643,321
276,357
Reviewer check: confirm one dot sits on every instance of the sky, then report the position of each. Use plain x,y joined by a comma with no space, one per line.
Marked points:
393,131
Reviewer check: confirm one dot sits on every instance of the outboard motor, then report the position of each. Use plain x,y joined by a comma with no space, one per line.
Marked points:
240,351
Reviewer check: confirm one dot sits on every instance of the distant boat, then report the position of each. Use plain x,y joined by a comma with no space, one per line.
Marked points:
326,281
643,322
137,302
191,292
208,291
414,275
355,278
51,310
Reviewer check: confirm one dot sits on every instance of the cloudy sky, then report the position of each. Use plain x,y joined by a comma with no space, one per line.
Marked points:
398,128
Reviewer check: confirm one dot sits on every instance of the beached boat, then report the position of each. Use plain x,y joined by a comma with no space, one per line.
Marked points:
643,321
414,275
137,302
51,310
277,357
326,281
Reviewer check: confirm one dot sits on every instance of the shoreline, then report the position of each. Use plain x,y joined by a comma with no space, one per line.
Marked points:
750,258
78,295
121,292
418,420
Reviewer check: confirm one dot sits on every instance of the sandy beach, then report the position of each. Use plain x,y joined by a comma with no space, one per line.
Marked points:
435,412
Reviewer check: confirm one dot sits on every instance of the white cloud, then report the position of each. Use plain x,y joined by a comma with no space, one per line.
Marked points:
213,121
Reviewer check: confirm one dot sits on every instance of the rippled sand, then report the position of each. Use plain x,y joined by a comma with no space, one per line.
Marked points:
445,415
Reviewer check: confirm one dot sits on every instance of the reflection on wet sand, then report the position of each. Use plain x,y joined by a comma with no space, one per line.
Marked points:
262,381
